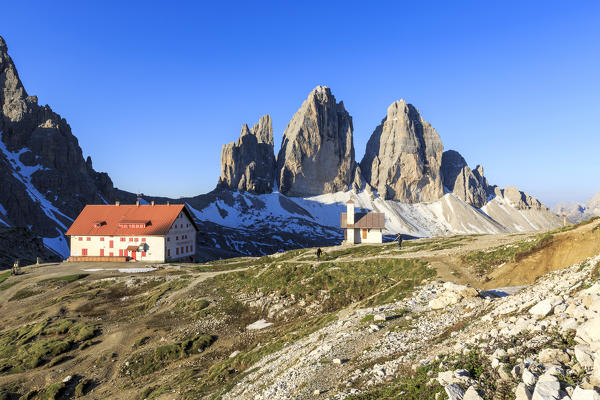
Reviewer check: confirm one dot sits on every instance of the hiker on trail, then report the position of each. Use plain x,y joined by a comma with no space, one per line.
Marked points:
319,252
399,239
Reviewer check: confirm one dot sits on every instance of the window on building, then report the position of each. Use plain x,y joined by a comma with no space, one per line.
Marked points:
111,244
102,239
177,250
176,237
120,252
111,254
84,252
123,239
80,238
143,254
89,238
131,239
168,252
168,239
137,239
143,239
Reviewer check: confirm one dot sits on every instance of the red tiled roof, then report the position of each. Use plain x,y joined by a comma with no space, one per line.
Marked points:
365,220
132,248
158,219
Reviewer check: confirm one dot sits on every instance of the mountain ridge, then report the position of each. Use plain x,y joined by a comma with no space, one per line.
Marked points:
47,181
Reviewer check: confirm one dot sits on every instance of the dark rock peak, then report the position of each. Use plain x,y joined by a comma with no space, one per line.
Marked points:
249,163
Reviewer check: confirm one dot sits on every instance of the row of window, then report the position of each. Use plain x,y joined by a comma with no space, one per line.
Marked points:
181,226
180,250
131,239
122,253
177,238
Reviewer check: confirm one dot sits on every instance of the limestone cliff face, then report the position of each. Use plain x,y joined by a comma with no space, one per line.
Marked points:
466,184
403,157
45,179
248,165
317,153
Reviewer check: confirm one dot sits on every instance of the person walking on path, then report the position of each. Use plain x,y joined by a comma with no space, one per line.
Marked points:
399,239
319,252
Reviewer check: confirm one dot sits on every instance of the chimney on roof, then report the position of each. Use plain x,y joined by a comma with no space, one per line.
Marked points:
117,203
152,202
350,213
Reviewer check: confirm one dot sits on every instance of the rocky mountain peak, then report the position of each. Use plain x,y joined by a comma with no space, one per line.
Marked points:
317,152
403,157
466,184
58,182
249,163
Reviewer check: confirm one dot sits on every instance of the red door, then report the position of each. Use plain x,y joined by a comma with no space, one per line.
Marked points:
101,252
133,255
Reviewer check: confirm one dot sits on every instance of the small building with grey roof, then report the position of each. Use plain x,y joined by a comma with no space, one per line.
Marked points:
362,227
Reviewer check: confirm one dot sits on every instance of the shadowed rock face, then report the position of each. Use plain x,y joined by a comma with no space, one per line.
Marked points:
317,153
248,165
466,184
403,157
39,151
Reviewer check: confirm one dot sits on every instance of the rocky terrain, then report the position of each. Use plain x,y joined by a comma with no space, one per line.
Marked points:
504,316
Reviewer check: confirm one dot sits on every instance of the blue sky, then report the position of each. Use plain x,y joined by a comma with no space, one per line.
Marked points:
154,89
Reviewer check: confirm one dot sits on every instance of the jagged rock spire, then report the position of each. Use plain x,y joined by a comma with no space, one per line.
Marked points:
403,157
249,163
317,152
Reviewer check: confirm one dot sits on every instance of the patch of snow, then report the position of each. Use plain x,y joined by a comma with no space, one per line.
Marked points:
94,269
101,198
58,244
136,270
260,324
23,173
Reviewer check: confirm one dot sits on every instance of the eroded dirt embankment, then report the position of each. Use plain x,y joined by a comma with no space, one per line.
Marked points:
565,249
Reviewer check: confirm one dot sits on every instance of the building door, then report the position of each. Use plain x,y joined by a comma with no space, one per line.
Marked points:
133,255
101,252
364,233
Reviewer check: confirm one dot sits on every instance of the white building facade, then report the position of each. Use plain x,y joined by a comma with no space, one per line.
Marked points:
362,227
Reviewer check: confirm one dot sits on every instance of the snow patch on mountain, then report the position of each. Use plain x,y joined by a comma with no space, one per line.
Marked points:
23,173
58,244
320,215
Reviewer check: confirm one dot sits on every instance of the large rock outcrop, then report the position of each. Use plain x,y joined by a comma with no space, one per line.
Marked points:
403,157
248,165
466,184
45,179
516,198
317,153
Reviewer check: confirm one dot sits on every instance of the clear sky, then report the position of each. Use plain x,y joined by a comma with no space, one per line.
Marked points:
154,89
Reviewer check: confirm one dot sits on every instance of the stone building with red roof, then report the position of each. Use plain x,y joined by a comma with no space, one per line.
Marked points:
151,233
